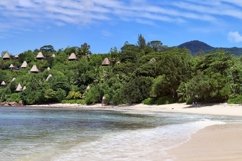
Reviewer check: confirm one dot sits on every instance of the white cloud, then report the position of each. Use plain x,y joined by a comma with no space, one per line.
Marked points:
28,13
235,36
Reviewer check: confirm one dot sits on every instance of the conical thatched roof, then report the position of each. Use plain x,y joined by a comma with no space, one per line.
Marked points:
48,69
6,56
16,56
24,88
49,76
11,66
106,62
24,65
19,88
40,55
3,83
72,56
53,56
34,69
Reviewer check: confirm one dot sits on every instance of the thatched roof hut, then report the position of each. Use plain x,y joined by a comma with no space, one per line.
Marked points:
6,56
34,69
24,65
19,88
106,62
72,57
53,56
48,69
24,88
40,56
11,66
16,56
49,76
3,83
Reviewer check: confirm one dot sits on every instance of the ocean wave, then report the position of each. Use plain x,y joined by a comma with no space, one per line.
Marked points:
130,145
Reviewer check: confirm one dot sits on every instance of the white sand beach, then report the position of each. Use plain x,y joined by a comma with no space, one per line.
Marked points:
214,143
216,109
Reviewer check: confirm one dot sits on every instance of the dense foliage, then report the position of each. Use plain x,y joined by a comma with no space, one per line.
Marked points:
147,72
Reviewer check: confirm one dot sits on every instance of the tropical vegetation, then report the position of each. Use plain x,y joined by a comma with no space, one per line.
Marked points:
147,72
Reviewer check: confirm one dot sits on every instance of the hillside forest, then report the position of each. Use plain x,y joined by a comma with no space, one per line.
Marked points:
145,72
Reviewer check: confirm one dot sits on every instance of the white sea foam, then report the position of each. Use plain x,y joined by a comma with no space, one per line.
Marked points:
141,145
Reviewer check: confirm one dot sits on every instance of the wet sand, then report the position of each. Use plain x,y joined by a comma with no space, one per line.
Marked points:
214,143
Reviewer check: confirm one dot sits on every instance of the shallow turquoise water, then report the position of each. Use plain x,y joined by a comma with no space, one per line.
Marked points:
42,134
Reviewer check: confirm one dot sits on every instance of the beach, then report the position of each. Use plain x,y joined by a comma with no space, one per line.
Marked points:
213,109
212,143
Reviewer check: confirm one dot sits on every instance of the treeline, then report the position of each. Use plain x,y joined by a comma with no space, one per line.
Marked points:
144,72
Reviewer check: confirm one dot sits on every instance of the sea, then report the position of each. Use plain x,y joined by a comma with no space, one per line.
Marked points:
96,135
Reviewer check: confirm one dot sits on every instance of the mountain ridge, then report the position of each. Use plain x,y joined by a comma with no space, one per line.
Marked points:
198,47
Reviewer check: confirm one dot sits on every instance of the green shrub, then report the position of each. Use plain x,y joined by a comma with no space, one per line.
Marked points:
237,99
15,97
74,101
148,101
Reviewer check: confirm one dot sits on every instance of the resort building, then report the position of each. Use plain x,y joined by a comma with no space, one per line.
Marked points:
11,66
6,56
19,88
106,62
72,57
40,56
3,83
24,65
34,69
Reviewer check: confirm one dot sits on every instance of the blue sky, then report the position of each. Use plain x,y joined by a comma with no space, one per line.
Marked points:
30,24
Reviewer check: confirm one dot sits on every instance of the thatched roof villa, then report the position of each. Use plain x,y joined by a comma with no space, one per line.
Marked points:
3,83
72,57
40,56
106,62
34,69
24,65
11,66
6,56
19,88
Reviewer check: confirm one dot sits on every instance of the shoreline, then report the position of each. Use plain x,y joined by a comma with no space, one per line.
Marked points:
213,143
223,109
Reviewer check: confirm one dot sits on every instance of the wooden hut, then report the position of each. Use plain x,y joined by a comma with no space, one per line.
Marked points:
24,65
106,62
19,88
34,69
11,66
72,57
40,56
6,56
3,83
